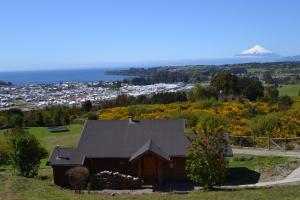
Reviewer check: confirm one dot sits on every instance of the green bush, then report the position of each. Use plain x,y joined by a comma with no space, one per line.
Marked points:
4,153
92,116
209,103
290,146
206,162
26,152
78,178
136,110
284,102
263,125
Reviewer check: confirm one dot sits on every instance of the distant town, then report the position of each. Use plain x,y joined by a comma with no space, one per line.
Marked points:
147,81
35,96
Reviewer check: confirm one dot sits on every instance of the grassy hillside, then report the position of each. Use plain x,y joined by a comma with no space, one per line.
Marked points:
14,187
17,188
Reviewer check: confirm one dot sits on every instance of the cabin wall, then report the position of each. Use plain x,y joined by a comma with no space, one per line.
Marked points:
175,170
59,175
170,171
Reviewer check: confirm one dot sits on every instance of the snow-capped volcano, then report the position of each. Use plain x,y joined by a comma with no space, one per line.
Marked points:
257,50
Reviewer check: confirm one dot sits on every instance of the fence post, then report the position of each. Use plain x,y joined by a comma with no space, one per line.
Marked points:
254,145
285,143
241,142
269,142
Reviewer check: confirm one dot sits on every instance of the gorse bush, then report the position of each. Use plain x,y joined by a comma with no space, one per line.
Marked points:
237,117
265,124
280,124
284,102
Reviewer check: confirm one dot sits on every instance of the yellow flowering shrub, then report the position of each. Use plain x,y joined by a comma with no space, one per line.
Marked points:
236,116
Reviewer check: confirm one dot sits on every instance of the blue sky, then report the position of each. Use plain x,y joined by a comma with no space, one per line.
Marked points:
72,33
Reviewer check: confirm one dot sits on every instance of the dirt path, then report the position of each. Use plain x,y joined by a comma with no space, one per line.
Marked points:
292,179
7,194
264,152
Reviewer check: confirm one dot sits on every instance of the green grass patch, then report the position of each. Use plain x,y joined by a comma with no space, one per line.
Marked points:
256,69
49,140
263,163
289,90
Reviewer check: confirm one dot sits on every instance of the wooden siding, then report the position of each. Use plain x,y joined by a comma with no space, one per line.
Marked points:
174,170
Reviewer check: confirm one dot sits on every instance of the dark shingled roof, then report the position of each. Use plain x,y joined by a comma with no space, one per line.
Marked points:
164,138
122,139
65,156
150,147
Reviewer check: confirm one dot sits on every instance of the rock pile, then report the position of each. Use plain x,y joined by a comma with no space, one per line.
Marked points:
115,180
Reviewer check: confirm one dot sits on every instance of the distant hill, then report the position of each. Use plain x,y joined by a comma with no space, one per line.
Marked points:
291,58
4,83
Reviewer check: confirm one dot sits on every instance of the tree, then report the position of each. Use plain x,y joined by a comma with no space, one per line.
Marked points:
198,92
226,82
78,177
57,118
86,106
206,162
271,94
267,77
250,88
26,152
16,121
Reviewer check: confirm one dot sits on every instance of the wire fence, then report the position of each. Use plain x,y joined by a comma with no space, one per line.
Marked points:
284,144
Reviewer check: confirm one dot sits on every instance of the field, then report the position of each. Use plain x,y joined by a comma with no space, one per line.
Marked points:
14,187
289,90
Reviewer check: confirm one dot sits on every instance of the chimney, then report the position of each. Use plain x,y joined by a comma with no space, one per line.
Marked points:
58,151
132,121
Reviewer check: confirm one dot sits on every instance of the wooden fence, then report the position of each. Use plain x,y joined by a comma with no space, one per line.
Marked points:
265,142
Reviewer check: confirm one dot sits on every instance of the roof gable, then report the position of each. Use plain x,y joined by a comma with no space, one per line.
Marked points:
150,147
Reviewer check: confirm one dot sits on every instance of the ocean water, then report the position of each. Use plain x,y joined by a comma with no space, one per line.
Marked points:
56,76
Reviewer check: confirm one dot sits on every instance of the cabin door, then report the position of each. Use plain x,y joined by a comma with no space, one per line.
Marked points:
150,169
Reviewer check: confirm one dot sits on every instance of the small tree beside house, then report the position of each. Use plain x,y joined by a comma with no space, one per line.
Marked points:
206,162
78,178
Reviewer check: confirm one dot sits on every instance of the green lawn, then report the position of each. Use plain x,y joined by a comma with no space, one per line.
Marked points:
19,188
289,90
263,163
252,70
50,140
